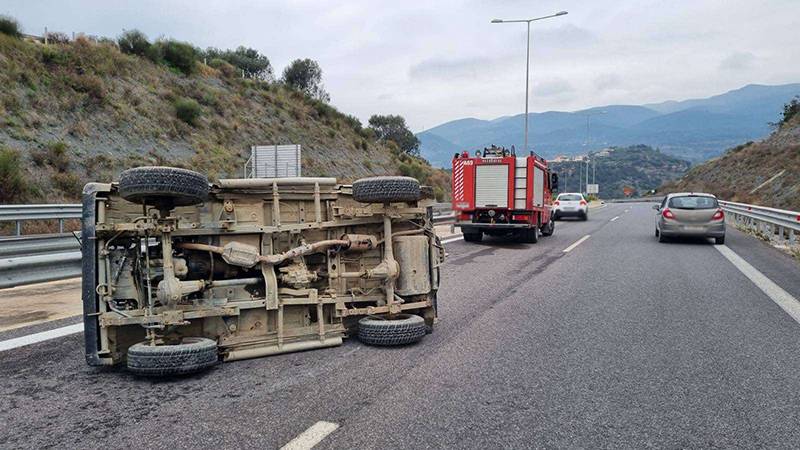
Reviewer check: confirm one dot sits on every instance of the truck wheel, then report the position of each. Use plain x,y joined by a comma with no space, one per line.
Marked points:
386,190
473,237
530,236
549,228
193,354
400,330
163,185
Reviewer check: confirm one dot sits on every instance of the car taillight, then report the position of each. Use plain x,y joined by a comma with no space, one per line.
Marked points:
583,202
667,214
557,203
719,215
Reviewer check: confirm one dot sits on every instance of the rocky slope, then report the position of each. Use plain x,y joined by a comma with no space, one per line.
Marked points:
82,110
765,173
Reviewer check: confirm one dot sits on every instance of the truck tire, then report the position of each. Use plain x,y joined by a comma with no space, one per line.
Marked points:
386,190
163,186
473,237
192,355
402,330
548,229
530,235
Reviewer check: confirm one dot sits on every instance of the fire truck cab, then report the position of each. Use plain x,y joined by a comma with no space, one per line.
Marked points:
496,192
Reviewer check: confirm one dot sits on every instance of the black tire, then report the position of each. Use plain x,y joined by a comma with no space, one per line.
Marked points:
158,186
473,237
386,190
530,236
661,237
192,355
585,216
656,232
401,330
550,228
719,240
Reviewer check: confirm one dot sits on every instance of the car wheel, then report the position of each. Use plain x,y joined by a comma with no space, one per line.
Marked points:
719,240
656,232
386,190
661,237
585,216
168,186
388,331
191,355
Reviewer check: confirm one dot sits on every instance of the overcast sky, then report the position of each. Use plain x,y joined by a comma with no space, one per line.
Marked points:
438,60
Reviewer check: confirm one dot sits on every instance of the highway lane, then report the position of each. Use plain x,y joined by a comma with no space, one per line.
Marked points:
620,342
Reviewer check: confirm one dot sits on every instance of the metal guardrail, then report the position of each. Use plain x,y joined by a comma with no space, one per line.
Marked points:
38,258
773,223
21,213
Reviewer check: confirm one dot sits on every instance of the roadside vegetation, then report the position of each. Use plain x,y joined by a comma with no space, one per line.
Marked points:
85,109
765,173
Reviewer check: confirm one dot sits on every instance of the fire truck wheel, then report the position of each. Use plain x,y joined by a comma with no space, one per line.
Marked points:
530,236
163,185
473,237
548,229
193,354
401,330
386,190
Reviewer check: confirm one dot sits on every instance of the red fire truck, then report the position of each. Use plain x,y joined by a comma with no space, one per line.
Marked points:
496,192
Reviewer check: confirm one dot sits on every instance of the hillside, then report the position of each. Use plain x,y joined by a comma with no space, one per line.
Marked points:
82,110
695,129
638,167
765,173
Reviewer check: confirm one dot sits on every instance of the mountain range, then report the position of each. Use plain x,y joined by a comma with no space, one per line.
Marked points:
695,129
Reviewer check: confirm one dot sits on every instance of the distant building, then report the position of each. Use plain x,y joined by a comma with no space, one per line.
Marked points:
560,158
604,153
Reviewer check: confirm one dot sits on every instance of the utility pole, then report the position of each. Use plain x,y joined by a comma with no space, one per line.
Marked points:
528,61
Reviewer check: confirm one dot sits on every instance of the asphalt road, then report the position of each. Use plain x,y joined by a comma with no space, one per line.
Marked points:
620,342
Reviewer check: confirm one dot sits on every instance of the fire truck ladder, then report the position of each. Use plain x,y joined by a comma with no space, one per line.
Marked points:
520,182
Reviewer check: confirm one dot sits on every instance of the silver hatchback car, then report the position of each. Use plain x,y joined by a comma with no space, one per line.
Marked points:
690,214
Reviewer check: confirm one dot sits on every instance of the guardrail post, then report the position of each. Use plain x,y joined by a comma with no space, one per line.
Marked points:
18,227
61,226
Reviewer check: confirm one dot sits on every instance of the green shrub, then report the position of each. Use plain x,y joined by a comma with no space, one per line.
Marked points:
188,110
10,26
15,187
133,42
54,154
90,84
53,56
68,183
180,55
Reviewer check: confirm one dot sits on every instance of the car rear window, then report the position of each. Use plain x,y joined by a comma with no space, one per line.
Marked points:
693,202
570,198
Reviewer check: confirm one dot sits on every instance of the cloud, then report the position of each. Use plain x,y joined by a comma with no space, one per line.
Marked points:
738,61
607,81
449,68
551,88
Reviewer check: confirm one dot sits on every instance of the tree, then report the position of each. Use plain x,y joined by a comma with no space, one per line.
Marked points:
10,26
394,128
254,64
305,75
133,42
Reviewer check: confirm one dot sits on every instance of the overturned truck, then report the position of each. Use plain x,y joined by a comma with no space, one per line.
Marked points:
179,274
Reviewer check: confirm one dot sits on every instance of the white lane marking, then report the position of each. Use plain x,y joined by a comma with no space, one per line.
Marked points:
447,241
312,436
613,219
577,243
785,300
40,337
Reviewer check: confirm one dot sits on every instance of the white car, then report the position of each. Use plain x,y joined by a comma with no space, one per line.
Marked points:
571,204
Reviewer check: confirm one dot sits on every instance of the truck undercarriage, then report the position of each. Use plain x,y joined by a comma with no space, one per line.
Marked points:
179,275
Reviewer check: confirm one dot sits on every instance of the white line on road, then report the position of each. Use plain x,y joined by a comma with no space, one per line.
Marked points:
782,298
447,241
39,337
577,243
312,436
613,219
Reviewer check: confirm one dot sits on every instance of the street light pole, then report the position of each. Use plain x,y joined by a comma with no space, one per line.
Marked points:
528,60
